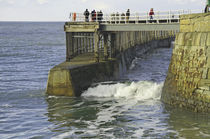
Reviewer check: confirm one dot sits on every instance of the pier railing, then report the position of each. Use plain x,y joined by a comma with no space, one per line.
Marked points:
137,17
109,45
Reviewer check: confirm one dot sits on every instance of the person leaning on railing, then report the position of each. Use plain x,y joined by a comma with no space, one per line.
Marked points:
207,6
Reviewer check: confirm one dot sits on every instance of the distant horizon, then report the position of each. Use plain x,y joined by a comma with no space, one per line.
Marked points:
32,21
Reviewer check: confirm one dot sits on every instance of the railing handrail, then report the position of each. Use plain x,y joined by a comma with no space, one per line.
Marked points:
113,18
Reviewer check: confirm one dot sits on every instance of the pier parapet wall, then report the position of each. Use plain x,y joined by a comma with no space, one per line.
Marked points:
188,80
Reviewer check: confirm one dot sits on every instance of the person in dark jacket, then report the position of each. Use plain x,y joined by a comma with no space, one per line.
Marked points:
100,16
117,17
123,17
93,15
207,6
127,15
86,14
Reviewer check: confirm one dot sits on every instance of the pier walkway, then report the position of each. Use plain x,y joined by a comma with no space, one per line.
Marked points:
98,51
111,34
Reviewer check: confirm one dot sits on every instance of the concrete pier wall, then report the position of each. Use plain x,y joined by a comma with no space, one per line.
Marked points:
71,80
188,80
94,55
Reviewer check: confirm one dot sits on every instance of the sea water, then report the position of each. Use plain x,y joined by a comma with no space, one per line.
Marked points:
127,108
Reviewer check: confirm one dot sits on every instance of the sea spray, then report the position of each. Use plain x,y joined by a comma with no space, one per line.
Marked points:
141,90
134,62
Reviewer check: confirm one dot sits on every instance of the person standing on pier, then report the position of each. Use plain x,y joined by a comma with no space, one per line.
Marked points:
117,17
127,15
100,16
93,15
74,16
86,14
151,13
123,17
207,6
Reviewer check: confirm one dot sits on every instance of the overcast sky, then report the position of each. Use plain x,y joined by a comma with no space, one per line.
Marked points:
58,10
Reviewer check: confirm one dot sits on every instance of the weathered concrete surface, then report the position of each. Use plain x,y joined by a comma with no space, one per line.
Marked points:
72,78
140,27
188,79
81,26
71,81
85,56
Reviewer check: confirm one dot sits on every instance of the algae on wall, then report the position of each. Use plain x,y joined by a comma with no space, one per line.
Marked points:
188,80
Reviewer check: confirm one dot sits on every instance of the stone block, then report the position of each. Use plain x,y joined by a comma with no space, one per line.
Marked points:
204,82
185,22
176,39
185,28
206,96
181,39
208,39
188,16
206,93
203,39
196,80
208,74
207,88
188,39
205,73
198,24
59,82
204,26
196,39
194,48
208,62
201,57
207,17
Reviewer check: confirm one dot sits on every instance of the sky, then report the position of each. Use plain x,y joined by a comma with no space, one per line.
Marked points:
58,10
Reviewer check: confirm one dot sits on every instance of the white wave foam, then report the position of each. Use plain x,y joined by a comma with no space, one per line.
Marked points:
141,90
6,106
134,62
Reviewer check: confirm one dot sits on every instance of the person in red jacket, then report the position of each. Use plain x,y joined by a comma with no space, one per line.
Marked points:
151,13
74,16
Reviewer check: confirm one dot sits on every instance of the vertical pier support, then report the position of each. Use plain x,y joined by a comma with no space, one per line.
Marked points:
75,44
113,45
89,48
105,46
79,43
69,46
83,43
96,46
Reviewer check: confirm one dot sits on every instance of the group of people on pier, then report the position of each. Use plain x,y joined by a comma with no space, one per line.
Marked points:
98,16
123,16
126,16
95,16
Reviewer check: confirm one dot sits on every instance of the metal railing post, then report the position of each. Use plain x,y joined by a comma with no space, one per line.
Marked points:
169,17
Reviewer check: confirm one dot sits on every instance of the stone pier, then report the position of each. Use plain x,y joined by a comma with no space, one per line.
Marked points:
188,80
97,52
